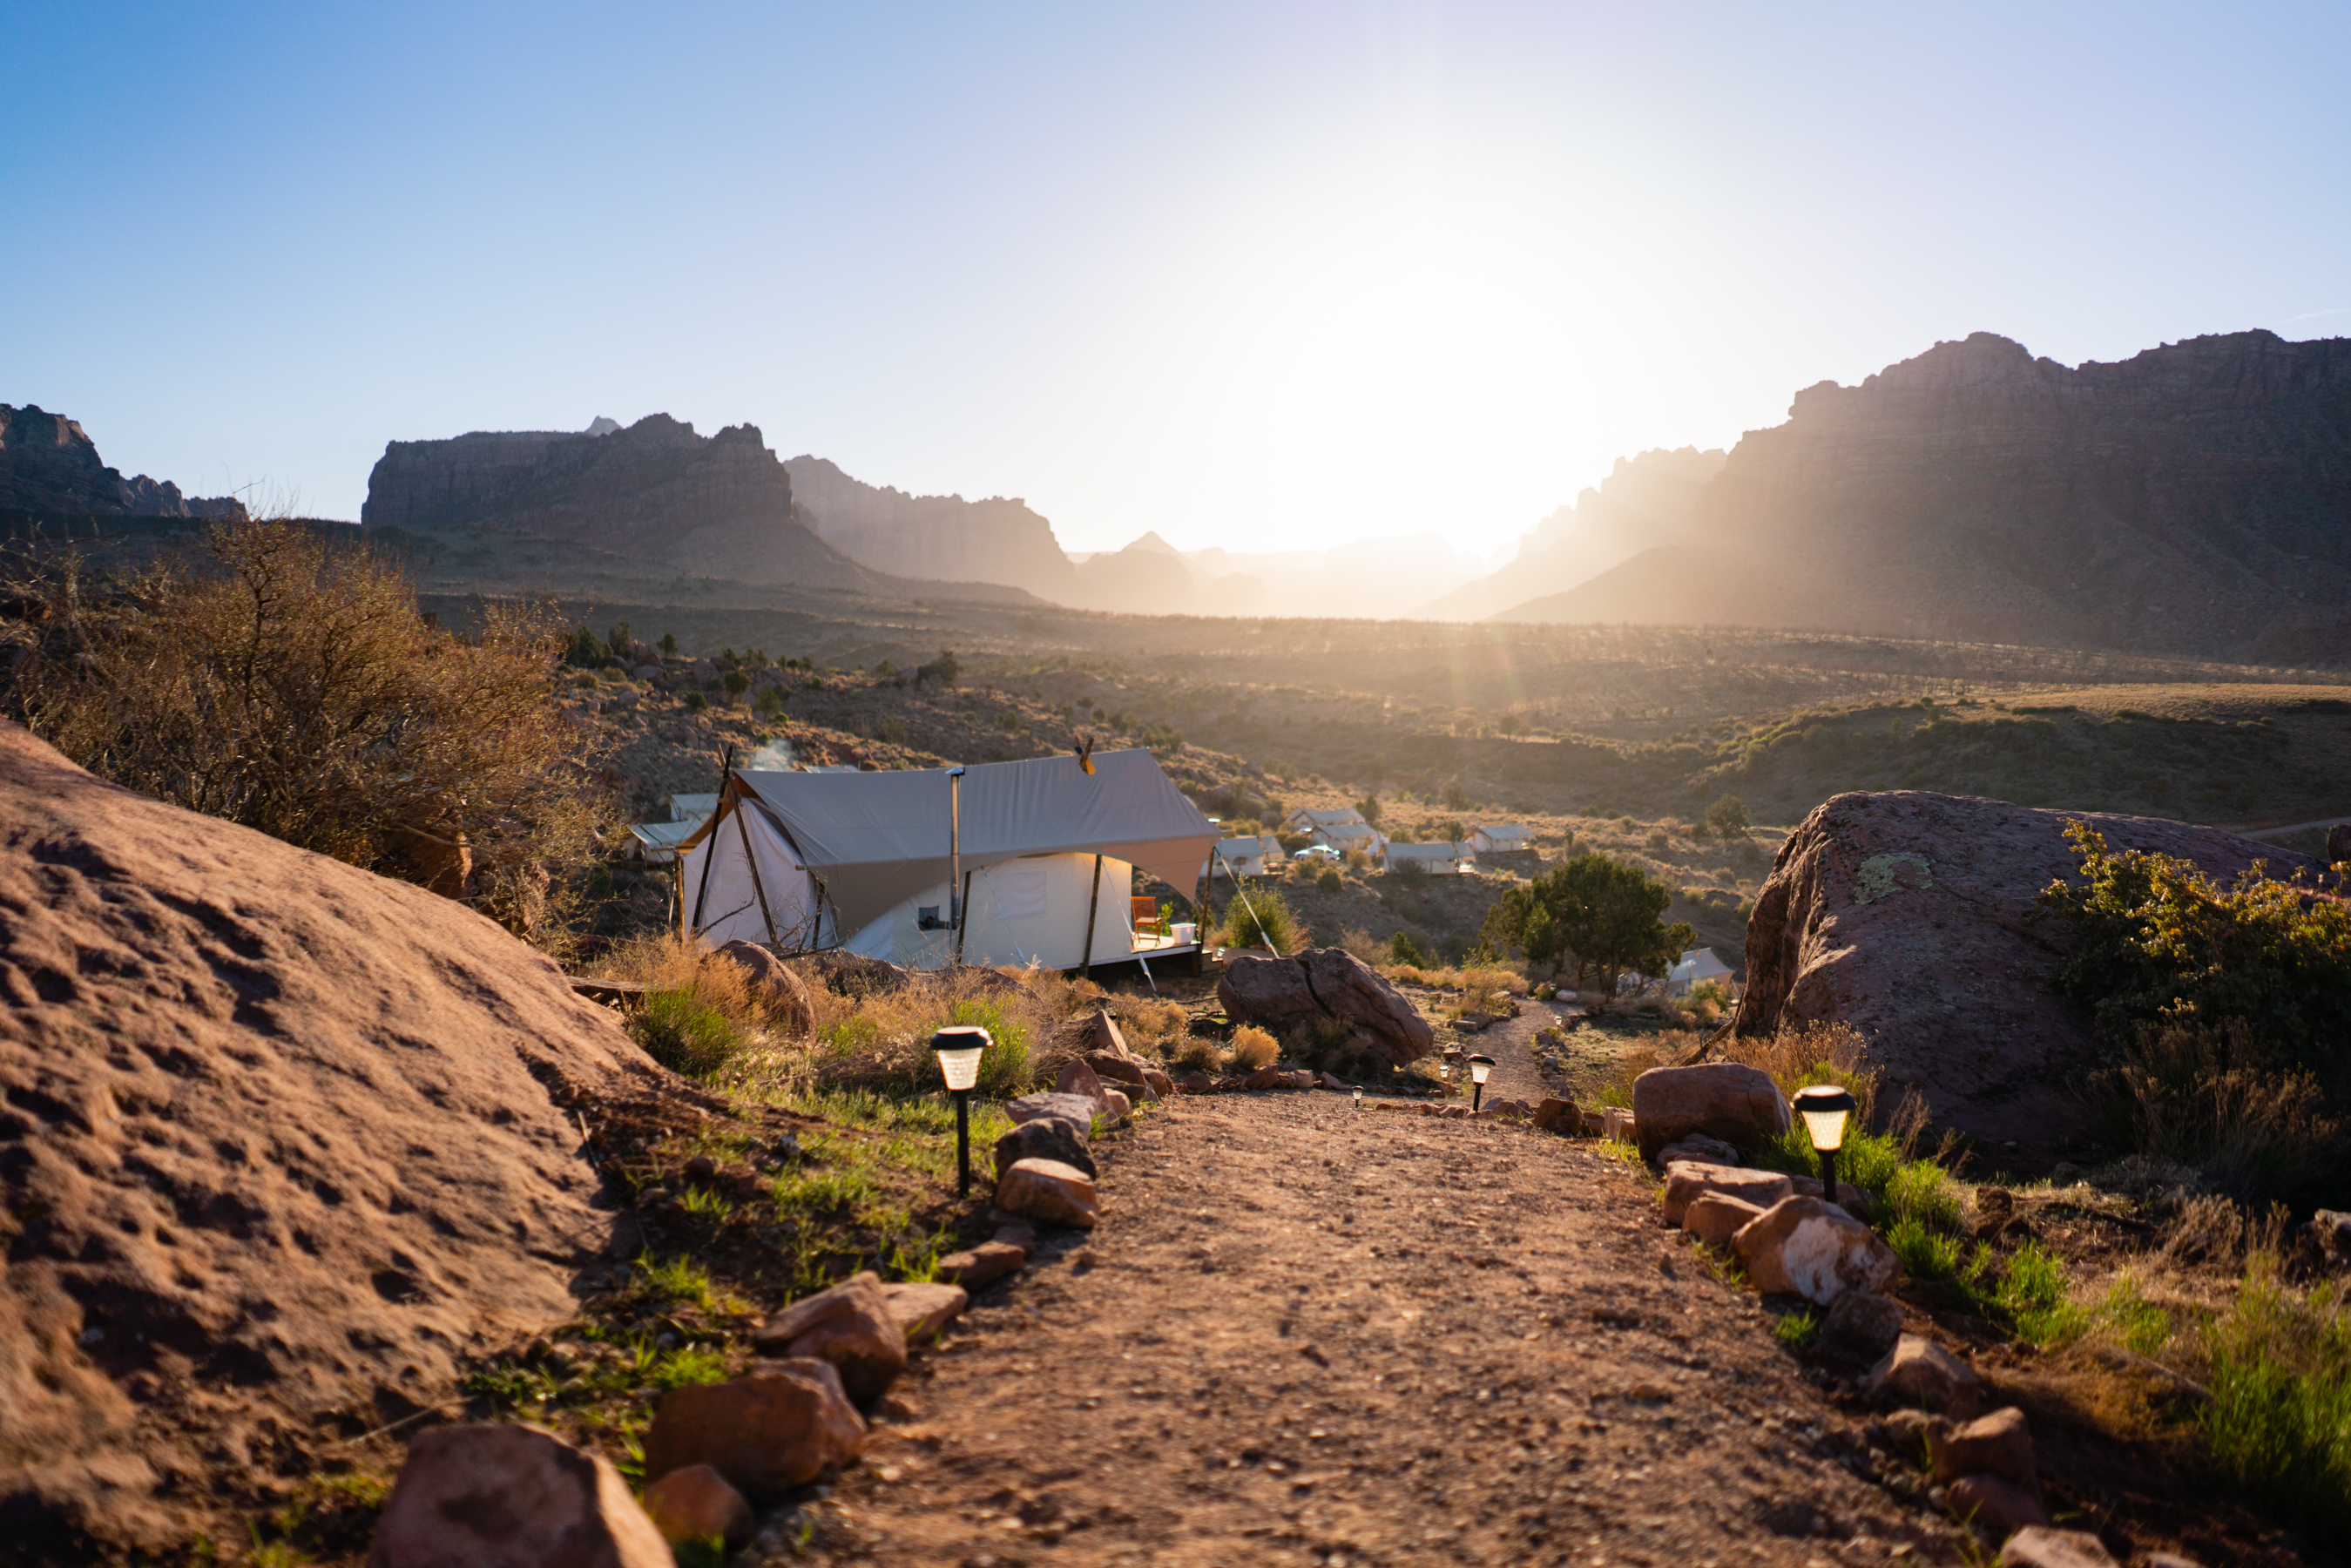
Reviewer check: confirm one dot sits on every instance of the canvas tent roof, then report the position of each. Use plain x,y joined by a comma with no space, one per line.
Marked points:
874,840
1698,963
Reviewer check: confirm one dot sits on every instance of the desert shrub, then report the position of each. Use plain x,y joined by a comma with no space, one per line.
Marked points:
1712,993
880,1043
1195,1054
1252,1048
1150,1023
695,702
684,1033
1728,818
1403,949
1359,943
1330,881
1261,919
669,962
2215,1098
2280,1371
1606,915
291,686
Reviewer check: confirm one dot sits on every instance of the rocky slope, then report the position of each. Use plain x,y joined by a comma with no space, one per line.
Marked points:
994,541
1911,917
2191,499
283,1142
720,506
1644,503
48,463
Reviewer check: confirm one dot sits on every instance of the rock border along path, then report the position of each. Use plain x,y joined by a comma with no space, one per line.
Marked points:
1309,1334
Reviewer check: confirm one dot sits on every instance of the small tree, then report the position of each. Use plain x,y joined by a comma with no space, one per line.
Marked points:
1368,807
1608,915
669,645
1728,818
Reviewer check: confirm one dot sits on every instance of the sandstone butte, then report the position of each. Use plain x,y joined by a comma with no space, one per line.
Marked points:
282,1142
1911,917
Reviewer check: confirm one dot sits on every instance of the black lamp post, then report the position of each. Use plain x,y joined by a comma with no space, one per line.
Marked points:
1478,1067
958,1050
1826,1109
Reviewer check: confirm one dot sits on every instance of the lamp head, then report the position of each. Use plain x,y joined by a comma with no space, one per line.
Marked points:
1825,1109
1478,1067
958,1050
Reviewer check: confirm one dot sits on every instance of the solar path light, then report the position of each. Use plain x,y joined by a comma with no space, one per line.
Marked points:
958,1050
1478,1067
1826,1111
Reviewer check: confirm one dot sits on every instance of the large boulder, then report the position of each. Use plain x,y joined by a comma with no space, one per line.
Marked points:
1739,1105
849,1325
781,1426
1910,917
509,1495
779,992
288,1141
1283,994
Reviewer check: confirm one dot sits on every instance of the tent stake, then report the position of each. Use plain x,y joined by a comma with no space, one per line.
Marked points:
1093,903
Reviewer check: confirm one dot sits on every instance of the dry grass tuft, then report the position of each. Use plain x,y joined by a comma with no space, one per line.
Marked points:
1252,1048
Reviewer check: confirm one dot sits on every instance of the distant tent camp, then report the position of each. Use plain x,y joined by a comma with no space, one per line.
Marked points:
1436,859
1501,838
859,861
1305,819
1245,856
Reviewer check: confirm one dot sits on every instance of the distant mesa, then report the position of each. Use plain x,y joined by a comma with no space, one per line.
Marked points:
717,506
48,463
2192,499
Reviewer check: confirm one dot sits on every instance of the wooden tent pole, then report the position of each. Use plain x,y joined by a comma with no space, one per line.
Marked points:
1093,904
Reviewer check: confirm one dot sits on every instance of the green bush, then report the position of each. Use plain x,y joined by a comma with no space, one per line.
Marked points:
1401,949
1262,918
684,1033
1330,881
696,701
1608,915
2280,1421
1004,1065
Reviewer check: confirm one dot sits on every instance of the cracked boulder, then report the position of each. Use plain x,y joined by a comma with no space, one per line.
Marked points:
1324,984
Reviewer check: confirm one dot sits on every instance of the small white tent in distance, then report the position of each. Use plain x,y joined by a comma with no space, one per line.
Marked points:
863,861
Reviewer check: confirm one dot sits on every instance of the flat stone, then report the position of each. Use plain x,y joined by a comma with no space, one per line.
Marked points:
1018,1233
1865,1321
2041,1546
1994,1504
510,1496
1558,1116
1113,1069
1161,1084
1700,1147
1333,1081
1925,1374
1050,1191
1617,1124
1046,1138
780,1427
1714,1217
849,1325
1099,1035
983,1265
1738,1104
1078,1109
695,1504
1595,1125
1803,1247
2000,1444
1196,1083
924,1311
1688,1180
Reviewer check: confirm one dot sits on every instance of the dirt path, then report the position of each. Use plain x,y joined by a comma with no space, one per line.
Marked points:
1310,1334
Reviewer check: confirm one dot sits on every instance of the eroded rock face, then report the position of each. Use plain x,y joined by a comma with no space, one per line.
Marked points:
511,1496
298,1135
1909,917
48,463
1283,994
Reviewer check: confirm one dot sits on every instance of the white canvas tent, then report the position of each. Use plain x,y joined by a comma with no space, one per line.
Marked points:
1436,859
1501,838
1245,856
1696,965
803,860
1305,819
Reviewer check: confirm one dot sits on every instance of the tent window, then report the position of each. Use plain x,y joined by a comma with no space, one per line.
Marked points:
1018,890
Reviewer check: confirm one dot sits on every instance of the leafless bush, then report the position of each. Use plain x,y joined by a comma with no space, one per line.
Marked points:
292,686
2216,1098
1252,1048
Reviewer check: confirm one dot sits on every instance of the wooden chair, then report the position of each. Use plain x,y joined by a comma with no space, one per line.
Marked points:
1147,916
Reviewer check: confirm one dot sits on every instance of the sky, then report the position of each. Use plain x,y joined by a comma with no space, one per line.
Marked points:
1262,276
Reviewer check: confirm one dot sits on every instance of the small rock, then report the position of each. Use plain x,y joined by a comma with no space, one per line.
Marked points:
1267,1078
1865,1321
924,1311
1018,1233
1196,1083
2333,1228
1050,1191
1048,1138
1558,1116
1078,1109
1116,1105
1333,1081
701,1168
1924,1372
1739,1104
1700,1147
510,1496
849,1325
1161,1084
1595,1125
1077,1078
1508,1111
1803,1247
2000,1444
1100,1033
778,1427
1997,1506
983,1265
1853,1199
1113,1069
1617,1126
1714,1217
2039,1546
1687,1180
696,1503
1909,1432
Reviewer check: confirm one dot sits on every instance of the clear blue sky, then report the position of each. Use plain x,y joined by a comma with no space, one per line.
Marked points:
1254,274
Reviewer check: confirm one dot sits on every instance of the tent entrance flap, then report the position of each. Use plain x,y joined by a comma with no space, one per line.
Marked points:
744,882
